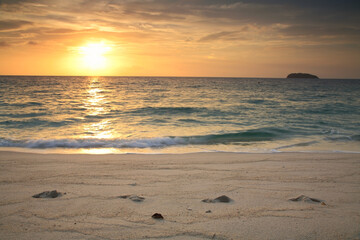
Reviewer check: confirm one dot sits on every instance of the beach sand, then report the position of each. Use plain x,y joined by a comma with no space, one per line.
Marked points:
101,196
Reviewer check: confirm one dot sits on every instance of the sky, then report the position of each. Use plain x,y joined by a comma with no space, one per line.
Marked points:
248,38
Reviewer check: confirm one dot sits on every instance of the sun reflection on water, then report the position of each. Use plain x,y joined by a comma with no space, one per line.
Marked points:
95,105
95,100
99,150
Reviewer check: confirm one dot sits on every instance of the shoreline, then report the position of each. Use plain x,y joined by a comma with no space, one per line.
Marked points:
260,185
106,151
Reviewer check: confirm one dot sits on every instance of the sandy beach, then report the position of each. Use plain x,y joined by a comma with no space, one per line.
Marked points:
115,196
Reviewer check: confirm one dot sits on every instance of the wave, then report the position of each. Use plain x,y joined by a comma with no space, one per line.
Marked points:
23,115
344,138
302,144
184,111
167,110
93,143
236,138
202,112
255,135
252,135
36,122
21,105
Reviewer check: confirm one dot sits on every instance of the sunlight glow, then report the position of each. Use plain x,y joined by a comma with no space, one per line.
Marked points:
95,104
93,55
99,150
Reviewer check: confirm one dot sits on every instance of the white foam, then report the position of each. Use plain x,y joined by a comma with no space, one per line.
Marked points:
95,143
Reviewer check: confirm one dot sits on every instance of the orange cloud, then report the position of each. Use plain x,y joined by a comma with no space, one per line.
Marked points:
188,37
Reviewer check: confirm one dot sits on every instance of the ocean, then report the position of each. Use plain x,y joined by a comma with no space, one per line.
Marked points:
56,114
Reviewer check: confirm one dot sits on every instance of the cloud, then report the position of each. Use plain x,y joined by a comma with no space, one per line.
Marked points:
32,43
68,31
4,44
216,36
13,2
321,31
6,25
206,20
62,17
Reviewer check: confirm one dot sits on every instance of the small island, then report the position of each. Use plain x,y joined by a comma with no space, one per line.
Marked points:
301,75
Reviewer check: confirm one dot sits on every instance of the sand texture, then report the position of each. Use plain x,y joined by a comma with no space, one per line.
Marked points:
247,196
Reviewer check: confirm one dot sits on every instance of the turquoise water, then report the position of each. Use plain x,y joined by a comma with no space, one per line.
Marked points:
177,115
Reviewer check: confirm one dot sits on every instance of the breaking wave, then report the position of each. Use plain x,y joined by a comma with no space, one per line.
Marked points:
255,135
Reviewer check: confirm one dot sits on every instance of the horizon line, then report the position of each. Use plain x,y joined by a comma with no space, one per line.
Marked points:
161,76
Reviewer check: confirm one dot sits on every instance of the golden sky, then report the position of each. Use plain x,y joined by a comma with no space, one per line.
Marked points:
248,38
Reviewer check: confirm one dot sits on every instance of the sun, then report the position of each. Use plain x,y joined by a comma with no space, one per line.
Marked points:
93,55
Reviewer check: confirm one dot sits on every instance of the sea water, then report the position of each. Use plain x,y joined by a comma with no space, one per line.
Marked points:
178,115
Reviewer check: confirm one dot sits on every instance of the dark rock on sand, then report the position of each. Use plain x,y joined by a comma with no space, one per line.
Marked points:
157,216
301,75
133,198
223,199
48,194
303,198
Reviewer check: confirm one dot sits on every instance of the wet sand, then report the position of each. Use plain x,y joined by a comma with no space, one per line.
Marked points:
115,196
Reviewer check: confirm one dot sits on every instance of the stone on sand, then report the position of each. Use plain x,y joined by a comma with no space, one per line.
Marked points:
157,216
223,199
303,198
48,194
133,198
